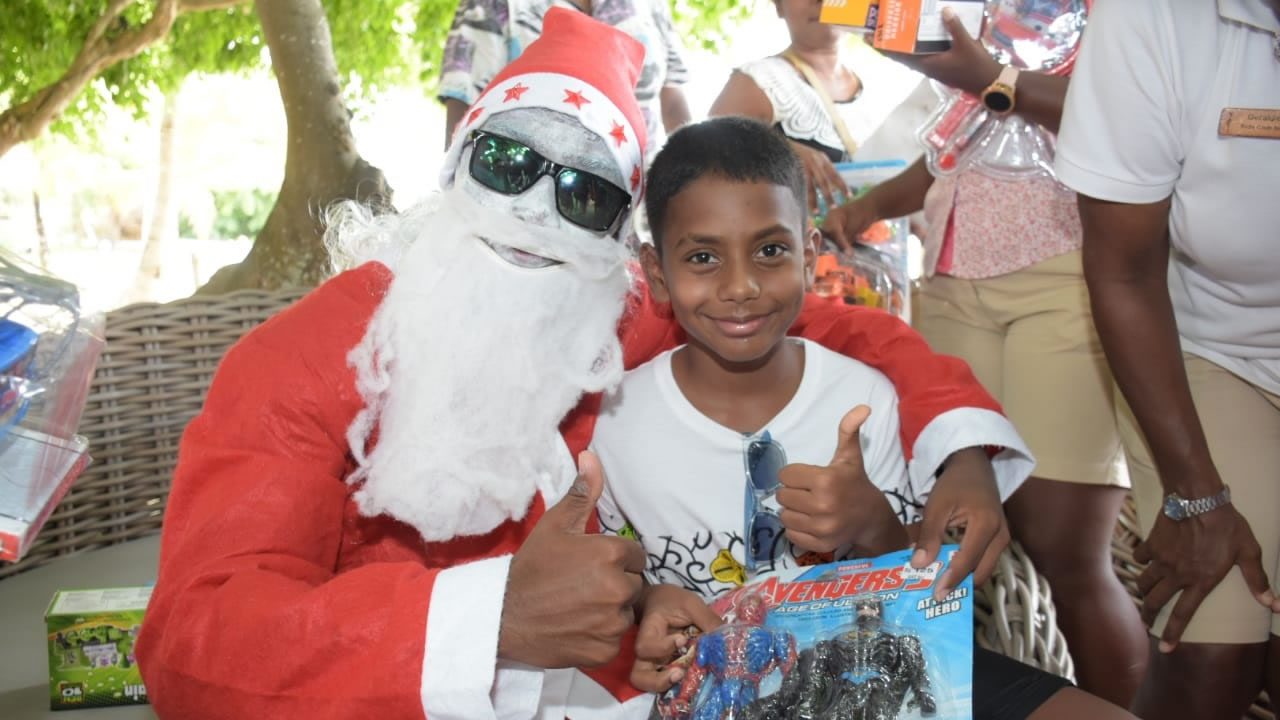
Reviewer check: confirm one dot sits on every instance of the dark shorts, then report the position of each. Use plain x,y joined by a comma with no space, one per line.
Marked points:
1005,689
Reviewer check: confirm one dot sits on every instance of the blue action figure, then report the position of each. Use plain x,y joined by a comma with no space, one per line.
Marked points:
726,666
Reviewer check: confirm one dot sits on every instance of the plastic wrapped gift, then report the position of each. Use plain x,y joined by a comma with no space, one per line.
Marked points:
875,273
48,351
1040,35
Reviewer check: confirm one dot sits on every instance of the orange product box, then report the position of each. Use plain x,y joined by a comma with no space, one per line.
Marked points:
915,26
852,13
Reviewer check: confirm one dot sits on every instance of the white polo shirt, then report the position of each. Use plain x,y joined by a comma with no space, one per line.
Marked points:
1141,124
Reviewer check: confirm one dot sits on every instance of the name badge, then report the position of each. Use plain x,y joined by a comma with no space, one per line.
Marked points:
1249,122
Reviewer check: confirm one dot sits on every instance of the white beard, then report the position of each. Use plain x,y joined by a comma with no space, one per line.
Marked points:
470,364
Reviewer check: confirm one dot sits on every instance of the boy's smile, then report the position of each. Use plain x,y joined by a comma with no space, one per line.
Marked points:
733,266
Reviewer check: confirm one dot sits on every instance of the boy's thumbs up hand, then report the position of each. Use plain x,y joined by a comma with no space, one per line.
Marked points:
824,508
570,594
849,446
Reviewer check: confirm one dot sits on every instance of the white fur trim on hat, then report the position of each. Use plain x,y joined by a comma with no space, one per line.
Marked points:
565,94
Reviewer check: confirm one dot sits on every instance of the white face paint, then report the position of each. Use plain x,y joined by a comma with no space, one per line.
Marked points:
470,364
561,139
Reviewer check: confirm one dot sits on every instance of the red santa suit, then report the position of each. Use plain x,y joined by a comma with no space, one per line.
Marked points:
278,598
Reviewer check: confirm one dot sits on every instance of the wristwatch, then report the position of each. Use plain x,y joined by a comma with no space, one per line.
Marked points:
1177,507
998,97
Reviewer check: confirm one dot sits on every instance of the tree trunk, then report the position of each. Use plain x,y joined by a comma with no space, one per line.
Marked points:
321,164
40,234
164,216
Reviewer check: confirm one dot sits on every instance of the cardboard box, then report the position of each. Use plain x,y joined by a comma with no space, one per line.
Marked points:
858,14
91,639
915,26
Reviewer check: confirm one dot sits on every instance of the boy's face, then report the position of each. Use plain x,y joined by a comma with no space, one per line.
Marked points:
734,265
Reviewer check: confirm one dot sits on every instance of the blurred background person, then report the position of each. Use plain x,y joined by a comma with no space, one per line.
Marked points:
488,34
1005,291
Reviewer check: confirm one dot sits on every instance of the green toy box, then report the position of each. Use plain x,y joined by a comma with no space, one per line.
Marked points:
91,639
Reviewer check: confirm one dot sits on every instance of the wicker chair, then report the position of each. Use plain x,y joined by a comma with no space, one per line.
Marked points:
152,379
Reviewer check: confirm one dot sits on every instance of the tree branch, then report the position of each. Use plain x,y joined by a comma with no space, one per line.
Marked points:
114,8
28,119
198,5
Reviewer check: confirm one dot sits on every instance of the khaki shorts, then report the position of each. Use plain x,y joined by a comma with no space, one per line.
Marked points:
1030,340
1242,424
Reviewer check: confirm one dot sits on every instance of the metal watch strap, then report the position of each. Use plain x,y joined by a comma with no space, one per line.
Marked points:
1212,502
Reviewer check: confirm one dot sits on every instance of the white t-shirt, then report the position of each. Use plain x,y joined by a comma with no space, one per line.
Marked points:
1141,124
678,479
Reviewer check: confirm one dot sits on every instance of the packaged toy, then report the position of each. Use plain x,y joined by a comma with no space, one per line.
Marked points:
875,274
48,351
1040,35
859,640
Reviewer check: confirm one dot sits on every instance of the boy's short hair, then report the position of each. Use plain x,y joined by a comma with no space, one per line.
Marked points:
732,148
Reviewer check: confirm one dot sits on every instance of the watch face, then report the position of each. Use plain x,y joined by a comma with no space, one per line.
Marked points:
997,102
1174,507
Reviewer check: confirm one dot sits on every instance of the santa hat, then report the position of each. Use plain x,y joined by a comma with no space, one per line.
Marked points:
580,67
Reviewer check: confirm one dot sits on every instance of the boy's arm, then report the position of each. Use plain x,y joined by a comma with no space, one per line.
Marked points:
947,419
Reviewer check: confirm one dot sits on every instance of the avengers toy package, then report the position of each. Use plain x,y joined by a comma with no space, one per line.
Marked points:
854,640
1040,35
876,272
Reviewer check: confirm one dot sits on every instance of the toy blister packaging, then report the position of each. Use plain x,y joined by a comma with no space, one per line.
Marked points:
48,351
854,640
875,274
1040,35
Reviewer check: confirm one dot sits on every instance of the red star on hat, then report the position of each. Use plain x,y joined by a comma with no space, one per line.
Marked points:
575,99
619,134
514,92
474,114
635,178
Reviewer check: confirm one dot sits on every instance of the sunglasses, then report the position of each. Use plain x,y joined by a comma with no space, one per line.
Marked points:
508,167
764,532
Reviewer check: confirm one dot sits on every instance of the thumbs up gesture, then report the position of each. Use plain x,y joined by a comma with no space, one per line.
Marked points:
570,594
834,506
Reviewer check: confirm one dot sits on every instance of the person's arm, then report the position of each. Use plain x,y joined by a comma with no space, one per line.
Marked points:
1126,256
675,109
454,109
741,95
474,52
969,67
899,196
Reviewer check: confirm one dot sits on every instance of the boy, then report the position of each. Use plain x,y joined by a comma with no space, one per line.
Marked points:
731,256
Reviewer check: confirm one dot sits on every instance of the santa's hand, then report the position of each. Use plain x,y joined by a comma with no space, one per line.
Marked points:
570,595
667,612
824,508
